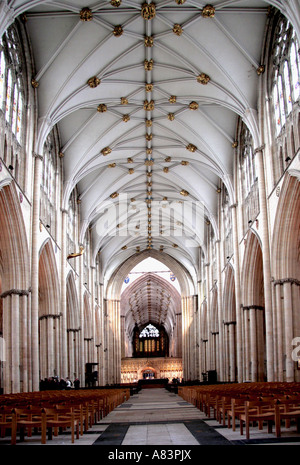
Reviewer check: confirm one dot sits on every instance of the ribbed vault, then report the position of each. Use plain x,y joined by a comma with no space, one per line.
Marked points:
150,298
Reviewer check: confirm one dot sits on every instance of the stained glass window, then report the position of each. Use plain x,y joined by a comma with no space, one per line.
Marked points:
2,78
149,331
286,73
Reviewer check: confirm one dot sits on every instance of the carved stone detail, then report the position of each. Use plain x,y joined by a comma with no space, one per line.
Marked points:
203,78
191,148
86,14
184,192
116,3
148,41
148,11
106,151
93,82
193,106
149,87
118,31
148,106
102,108
148,65
177,29
208,11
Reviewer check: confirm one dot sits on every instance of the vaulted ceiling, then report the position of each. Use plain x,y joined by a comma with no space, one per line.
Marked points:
150,298
146,97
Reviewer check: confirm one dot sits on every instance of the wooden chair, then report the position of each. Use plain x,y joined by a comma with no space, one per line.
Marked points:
257,411
286,409
25,419
59,418
6,420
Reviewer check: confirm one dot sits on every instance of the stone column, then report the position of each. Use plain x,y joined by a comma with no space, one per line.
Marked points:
266,262
253,344
288,320
38,165
93,295
220,313
63,298
71,352
24,323
246,345
280,351
237,274
14,339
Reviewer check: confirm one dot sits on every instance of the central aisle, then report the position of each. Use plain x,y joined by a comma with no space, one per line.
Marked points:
155,417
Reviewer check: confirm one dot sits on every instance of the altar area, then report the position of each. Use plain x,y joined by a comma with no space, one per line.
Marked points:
135,369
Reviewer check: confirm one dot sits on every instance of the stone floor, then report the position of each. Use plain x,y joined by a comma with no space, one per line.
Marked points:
156,417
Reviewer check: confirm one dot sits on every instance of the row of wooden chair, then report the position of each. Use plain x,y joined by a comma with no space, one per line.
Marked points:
248,404
56,411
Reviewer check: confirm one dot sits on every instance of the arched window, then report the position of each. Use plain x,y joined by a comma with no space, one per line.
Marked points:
150,341
13,98
48,211
248,178
285,74
149,331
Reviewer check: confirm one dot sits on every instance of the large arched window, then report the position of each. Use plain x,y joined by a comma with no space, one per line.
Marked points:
48,205
248,176
11,82
286,73
151,341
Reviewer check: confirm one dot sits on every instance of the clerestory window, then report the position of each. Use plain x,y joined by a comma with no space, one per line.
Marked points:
286,73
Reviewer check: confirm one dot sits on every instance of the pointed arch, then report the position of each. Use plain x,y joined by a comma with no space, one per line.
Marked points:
15,290
286,233
115,282
15,264
252,272
49,292
73,319
49,316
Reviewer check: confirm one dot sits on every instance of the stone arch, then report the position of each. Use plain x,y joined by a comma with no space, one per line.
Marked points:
114,285
141,283
286,237
229,327
15,291
73,319
14,248
49,316
145,369
253,316
73,327
286,273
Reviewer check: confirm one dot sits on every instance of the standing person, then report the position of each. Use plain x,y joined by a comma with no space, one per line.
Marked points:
69,383
76,383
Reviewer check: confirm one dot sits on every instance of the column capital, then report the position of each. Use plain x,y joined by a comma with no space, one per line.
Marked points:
259,149
19,292
50,315
37,156
287,280
253,307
